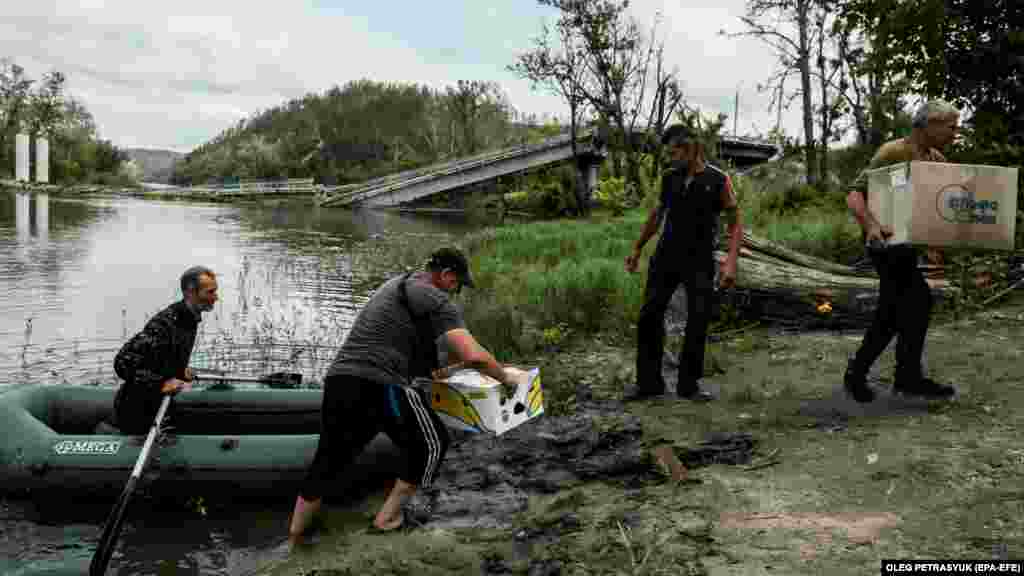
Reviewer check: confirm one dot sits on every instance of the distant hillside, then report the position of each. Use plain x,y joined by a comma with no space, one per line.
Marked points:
357,131
156,165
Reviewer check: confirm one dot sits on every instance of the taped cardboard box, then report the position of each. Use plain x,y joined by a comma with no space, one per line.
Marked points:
946,205
469,400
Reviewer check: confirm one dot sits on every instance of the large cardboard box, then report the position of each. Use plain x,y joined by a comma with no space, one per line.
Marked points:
940,204
469,400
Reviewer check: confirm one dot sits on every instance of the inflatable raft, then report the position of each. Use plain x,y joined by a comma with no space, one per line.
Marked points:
228,439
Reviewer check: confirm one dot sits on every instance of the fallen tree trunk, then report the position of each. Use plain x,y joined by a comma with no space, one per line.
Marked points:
781,286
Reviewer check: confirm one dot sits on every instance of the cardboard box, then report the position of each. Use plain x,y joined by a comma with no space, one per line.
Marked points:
469,400
940,204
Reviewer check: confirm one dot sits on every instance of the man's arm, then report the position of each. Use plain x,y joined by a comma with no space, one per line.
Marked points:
472,355
856,203
733,219
650,228
856,198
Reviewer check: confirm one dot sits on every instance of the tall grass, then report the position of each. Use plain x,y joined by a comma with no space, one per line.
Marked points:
565,274
800,217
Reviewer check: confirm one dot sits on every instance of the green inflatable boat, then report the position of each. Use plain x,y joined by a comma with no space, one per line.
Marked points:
227,439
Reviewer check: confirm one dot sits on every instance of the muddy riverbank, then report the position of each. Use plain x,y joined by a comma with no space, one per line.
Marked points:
785,474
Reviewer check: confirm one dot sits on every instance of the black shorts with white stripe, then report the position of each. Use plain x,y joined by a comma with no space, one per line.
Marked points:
354,411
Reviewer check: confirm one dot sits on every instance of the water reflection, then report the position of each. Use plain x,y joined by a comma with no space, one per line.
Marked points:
21,216
42,218
291,275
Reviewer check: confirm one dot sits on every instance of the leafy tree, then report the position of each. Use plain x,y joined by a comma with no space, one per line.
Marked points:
789,27
353,132
14,92
605,61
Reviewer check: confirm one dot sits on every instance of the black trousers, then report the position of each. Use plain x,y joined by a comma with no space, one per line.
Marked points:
354,411
135,408
904,310
662,281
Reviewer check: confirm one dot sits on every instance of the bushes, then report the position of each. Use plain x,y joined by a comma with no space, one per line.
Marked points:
548,193
611,193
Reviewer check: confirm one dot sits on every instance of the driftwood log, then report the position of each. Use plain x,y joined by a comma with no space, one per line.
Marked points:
780,286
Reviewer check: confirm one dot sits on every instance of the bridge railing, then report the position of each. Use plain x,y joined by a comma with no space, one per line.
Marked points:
388,183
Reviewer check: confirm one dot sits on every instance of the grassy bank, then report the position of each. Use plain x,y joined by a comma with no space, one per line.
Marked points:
833,486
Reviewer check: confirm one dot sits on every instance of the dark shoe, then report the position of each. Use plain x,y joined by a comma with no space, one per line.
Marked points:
639,394
694,393
924,387
856,385
698,396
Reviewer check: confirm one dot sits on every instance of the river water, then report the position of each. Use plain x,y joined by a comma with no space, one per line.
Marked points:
80,275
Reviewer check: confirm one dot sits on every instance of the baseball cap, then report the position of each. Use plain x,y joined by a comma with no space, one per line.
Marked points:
453,259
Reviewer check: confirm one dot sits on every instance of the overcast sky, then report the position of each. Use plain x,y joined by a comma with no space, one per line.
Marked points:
174,74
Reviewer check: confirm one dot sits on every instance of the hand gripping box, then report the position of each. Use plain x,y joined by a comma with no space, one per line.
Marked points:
469,400
940,204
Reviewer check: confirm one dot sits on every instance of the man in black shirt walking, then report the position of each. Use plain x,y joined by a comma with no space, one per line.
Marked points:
693,195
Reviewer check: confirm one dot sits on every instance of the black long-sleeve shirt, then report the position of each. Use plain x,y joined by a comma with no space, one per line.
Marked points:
160,351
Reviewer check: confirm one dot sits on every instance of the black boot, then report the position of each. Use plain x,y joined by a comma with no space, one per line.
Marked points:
692,391
855,382
923,387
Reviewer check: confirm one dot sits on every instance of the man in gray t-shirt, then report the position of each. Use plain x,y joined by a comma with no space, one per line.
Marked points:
382,344
393,340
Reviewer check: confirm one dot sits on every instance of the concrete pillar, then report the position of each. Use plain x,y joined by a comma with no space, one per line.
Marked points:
43,216
42,160
22,207
21,173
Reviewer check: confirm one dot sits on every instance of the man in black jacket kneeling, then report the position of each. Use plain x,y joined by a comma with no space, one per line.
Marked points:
155,361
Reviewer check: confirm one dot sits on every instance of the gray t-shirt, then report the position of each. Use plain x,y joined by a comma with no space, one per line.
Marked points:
380,345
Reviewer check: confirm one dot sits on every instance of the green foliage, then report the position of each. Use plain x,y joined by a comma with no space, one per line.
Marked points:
75,152
848,162
777,207
564,274
829,234
355,132
611,193
548,192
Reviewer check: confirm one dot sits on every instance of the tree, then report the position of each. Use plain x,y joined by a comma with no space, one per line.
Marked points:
612,58
46,104
14,91
794,55
970,52
561,71
467,103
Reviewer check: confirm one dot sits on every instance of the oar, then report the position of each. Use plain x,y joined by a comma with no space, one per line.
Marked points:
112,528
275,380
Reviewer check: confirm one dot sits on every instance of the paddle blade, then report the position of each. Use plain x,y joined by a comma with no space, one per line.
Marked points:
111,529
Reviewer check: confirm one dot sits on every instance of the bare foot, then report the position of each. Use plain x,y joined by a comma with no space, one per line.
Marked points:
390,515
382,522
302,518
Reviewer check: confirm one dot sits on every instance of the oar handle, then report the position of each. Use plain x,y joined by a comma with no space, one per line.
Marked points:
112,528
288,379
227,378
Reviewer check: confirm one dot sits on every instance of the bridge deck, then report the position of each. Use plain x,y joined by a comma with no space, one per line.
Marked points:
410,185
